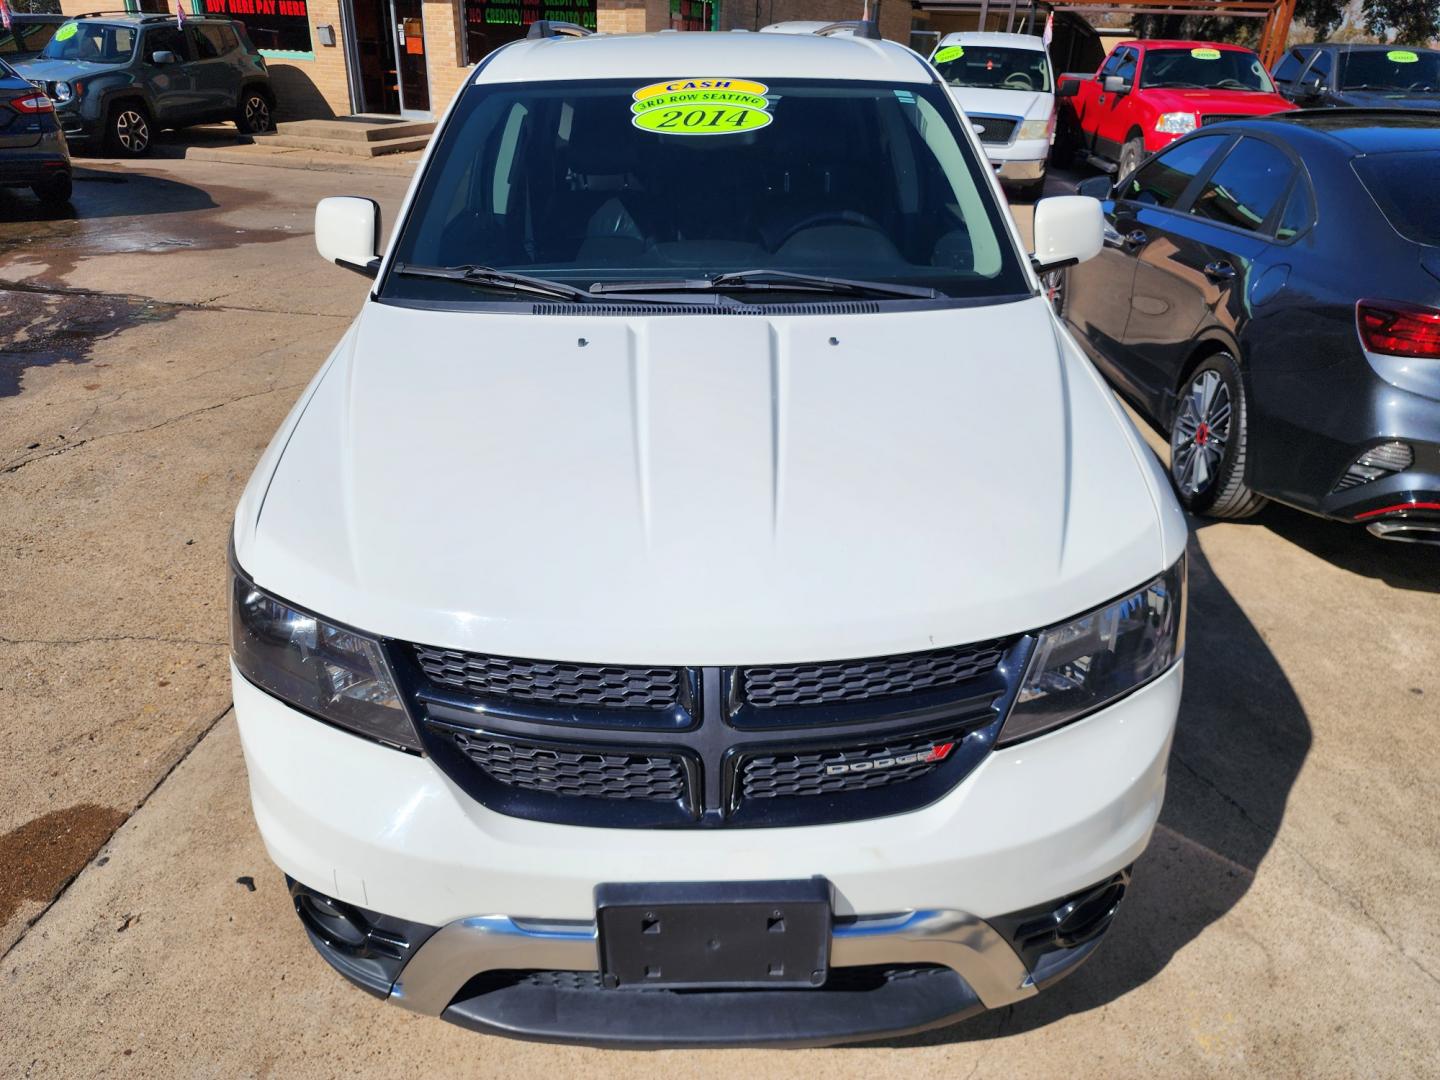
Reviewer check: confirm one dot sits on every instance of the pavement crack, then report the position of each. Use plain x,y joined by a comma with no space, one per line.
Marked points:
110,637
208,727
1339,890
14,466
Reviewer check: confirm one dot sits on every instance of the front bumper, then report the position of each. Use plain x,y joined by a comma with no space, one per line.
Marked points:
1021,160
387,832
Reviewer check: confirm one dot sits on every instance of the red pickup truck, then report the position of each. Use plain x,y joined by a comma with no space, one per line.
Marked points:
1149,93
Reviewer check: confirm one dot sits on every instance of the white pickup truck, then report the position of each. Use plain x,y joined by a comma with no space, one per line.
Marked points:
1005,85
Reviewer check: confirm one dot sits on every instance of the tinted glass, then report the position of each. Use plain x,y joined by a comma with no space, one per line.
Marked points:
166,39
1403,185
228,40
1000,69
1290,66
1321,66
1298,213
1246,187
1112,62
27,37
1228,69
206,40
1416,70
1129,59
95,43
562,180
1164,179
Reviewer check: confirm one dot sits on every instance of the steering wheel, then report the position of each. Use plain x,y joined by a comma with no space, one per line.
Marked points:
1018,80
829,217
1236,83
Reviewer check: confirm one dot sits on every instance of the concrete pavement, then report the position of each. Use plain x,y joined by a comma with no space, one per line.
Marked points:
1283,922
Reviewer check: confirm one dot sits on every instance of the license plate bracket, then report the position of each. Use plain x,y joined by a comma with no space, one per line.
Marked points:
714,935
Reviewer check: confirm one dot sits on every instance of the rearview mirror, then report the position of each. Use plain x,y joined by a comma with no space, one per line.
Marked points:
162,56
347,233
1068,229
1114,84
1096,187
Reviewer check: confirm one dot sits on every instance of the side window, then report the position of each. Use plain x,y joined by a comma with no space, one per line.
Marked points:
1299,212
228,41
206,47
1163,180
1127,65
1321,66
165,39
1289,68
1112,62
1246,187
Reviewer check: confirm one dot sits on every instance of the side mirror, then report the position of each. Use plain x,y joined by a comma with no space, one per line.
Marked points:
1068,88
1096,187
1310,87
163,56
1114,84
347,233
1068,229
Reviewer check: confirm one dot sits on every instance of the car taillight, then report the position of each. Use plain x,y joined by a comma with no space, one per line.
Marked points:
1399,329
32,103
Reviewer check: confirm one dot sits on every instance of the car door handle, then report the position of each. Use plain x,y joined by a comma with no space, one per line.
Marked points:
1219,270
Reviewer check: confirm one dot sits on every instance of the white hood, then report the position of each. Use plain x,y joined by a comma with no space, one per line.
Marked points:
705,489
1029,104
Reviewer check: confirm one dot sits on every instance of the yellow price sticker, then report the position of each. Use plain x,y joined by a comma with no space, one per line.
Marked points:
698,85
1205,54
1403,56
66,32
950,52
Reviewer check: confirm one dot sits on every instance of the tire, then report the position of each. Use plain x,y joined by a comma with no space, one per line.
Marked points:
1208,440
1131,154
255,115
1055,287
1031,189
54,191
129,131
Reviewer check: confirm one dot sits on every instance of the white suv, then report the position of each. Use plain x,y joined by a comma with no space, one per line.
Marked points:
1007,89
706,598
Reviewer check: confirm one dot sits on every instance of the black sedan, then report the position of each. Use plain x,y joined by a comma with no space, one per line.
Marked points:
1269,293
33,153
1360,76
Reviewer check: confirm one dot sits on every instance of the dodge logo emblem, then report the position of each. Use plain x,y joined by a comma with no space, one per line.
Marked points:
938,752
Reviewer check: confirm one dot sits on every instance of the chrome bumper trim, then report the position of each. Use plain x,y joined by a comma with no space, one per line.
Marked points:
468,947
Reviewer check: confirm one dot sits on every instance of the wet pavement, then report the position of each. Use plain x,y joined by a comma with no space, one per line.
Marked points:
1283,922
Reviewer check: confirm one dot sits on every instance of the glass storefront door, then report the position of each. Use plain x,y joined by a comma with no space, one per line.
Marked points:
409,26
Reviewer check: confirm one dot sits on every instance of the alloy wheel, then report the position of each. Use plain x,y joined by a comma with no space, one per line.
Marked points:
1200,434
257,113
132,132
1053,285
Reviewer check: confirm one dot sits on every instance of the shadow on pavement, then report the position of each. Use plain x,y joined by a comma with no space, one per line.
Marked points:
105,193
1350,547
1222,812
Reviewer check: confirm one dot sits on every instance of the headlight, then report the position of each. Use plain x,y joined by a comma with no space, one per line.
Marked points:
1037,129
322,669
1176,123
1084,664
61,92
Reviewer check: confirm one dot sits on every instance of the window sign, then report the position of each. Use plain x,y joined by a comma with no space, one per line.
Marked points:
275,26
491,23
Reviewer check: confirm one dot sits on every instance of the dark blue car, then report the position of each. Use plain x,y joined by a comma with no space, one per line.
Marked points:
33,153
1360,76
1269,294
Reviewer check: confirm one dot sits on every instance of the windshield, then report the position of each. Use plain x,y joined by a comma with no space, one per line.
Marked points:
1205,69
1400,184
607,182
988,66
95,43
1394,69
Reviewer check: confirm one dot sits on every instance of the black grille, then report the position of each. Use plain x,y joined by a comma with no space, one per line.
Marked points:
576,771
539,681
1221,118
839,769
861,680
993,129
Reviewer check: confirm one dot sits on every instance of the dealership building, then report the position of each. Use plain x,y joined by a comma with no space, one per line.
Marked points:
407,57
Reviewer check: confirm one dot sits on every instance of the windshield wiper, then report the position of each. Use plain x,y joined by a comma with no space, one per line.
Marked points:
769,280
490,278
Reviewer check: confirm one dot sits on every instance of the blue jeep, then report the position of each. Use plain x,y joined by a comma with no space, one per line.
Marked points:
118,79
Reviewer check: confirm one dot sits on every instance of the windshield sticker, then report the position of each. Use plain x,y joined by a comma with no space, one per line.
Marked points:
1403,56
1205,54
950,52
66,32
712,106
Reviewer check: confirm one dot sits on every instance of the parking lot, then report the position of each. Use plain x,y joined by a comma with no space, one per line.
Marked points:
1282,923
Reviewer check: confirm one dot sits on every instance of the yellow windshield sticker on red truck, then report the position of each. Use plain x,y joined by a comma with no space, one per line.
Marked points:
66,32
1403,56
695,106
950,52
1205,54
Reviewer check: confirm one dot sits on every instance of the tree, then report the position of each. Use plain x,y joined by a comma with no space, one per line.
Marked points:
1322,16
1415,22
